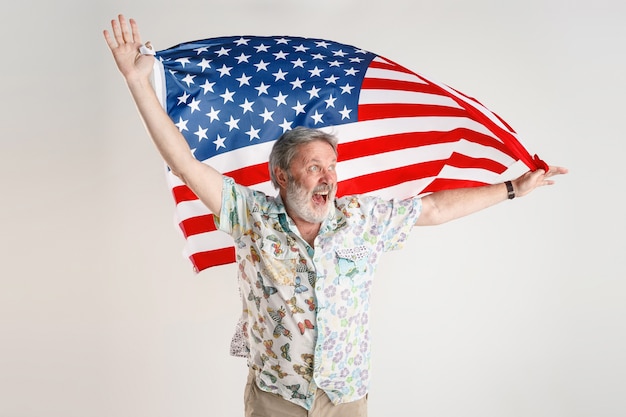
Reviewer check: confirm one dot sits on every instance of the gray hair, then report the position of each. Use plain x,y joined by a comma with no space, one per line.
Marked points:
286,148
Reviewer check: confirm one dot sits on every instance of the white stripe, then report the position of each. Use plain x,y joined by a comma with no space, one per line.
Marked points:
390,74
207,241
404,97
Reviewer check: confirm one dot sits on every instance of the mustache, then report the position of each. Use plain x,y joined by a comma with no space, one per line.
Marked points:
323,188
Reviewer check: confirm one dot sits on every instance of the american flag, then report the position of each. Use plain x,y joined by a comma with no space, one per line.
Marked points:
400,134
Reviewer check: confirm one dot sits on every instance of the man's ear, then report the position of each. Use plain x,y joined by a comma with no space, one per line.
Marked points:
281,177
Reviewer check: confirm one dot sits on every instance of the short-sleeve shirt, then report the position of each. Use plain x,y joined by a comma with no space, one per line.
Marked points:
306,309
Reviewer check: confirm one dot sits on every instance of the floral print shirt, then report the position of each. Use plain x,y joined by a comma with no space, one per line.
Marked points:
306,309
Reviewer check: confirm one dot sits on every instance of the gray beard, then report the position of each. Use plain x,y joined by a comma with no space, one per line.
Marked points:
299,200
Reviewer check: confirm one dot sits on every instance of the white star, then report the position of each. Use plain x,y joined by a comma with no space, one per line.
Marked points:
207,86
242,41
182,124
194,105
315,72
282,41
183,99
219,142
281,99
357,60
242,58
261,48
262,89
285,125
253,133
247,106
280,55
298,63
351,71
201,134
224,70
345,113
297,83
213,114
204,64
330,102
331,80
322,44
280,75
188,79
301,48
267,115
222,51
299,108
183,61
261,66
243,79
232,123
317,118
313,92
346,89
361,51
334,63
228,96
340,53
201,49
318,56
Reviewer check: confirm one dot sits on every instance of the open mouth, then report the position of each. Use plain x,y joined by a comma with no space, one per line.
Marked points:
320,196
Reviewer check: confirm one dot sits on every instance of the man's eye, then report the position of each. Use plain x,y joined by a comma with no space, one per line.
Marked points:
314,168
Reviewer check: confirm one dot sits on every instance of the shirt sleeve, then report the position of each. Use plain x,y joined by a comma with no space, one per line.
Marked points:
395,220
232,217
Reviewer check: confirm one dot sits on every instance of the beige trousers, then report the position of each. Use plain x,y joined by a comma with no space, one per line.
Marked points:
259,403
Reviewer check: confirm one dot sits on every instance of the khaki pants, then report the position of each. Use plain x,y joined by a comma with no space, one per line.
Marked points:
259,403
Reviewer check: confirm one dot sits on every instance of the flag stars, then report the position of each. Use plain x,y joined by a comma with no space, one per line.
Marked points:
267,115
262,89
213,114
298,63
204,64
182,124
247,106
224,70
331,80
201,133
244,79
188,79
315,72
228,96
219,142
318,56
253,133
281,55
194,105
183,61
356,60
201,50
330,101
352,71
207,86
261,48
242,58
346,89
285,125
317,117
261,66
322,44
345,113
297,83
282,41
313,92
223,51
232,123
340,53
183,99
301,48
242,41
281,99
334,63
280,75
299,107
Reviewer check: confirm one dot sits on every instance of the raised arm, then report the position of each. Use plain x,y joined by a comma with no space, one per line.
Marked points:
443,206
125,44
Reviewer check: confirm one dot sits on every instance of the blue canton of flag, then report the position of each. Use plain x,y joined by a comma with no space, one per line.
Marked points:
227,93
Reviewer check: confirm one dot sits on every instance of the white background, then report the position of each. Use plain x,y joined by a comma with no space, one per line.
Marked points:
516,311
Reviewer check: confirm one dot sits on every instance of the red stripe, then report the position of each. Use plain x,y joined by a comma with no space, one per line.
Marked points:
198,224
394,110
384,84
203,260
